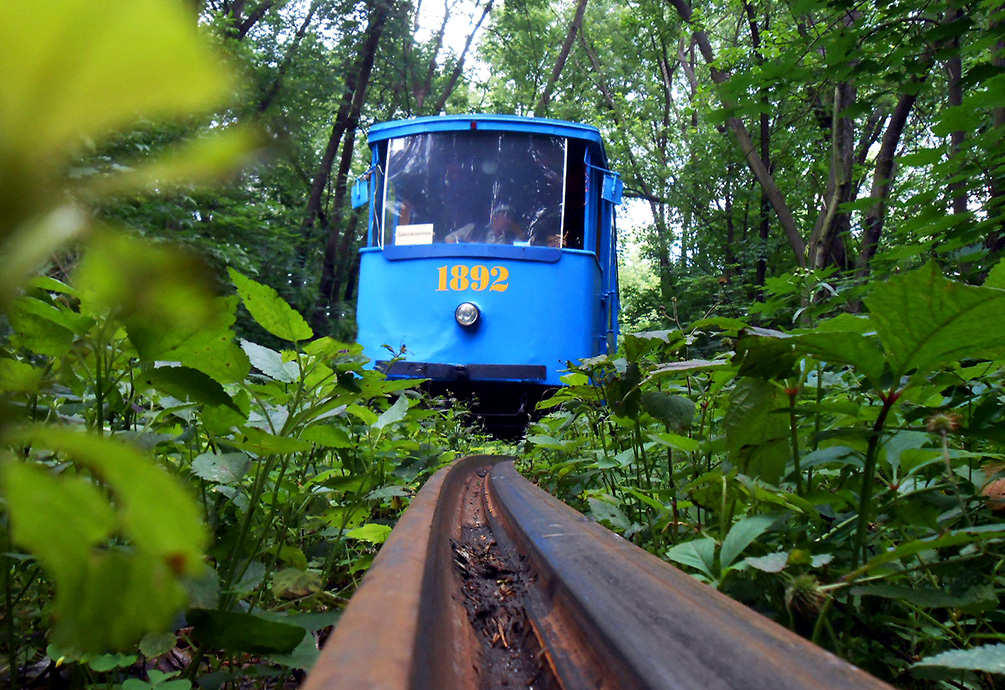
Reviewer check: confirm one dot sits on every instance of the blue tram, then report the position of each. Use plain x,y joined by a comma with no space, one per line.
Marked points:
491,248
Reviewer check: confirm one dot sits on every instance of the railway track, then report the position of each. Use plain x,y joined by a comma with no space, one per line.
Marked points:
488,582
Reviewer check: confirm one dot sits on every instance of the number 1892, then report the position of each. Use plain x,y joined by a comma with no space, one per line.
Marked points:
459,277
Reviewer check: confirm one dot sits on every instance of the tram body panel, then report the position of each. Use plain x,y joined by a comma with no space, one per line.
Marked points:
531,312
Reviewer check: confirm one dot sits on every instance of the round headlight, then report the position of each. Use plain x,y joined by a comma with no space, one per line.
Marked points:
466,314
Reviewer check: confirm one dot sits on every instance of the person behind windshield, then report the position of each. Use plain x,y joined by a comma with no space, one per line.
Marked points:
503,228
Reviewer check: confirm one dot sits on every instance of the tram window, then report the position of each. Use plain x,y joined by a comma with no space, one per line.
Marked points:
476,186
575,195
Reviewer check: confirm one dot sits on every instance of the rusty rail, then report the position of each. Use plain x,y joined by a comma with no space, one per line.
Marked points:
488,582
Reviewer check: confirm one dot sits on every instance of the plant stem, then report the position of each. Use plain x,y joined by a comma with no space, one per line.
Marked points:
868,476
794,439
13,648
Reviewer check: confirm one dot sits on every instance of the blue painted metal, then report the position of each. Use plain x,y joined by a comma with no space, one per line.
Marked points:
559,305
487,123
549,314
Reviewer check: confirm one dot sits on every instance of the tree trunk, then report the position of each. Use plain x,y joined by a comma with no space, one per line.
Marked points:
345,126
348,113
563,55
747,147
882,183
826,246
277,82
455,75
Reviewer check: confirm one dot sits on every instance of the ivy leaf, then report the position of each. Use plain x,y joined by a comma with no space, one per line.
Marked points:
270,310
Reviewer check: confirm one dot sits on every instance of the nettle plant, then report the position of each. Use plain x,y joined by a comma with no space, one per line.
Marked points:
841,479
157,475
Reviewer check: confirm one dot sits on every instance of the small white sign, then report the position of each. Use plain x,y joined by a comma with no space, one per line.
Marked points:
420,233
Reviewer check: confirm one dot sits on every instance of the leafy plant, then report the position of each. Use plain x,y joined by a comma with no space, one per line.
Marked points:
832,475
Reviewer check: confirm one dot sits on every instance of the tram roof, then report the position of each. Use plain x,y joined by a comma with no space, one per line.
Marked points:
490,123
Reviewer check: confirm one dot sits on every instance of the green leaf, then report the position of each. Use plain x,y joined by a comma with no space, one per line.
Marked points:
18,377
327,436
69,320
108,662
242,632
58,518
741,535
988,658
223,468
860,351
146,283
772,563
756,438
980,598
682,443
304,656
395,413
675,368
925,320
75,69
186,384
699,554
996,276
960,537
609,515
637,345
209,347
36,333
675,411
291,583
270,310
370,532
155,644
765,354
263,443
270,362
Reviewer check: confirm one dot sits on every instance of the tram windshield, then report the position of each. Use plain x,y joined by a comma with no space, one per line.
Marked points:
483,187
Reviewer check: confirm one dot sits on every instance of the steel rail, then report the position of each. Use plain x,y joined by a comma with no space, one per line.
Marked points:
489,582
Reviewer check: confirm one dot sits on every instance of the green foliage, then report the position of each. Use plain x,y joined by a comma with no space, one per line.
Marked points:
157,475
300,468
837,477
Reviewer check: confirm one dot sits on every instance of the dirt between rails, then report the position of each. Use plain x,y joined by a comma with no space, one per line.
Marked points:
494,588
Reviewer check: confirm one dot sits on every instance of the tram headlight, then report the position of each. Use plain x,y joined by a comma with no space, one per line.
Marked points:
467,314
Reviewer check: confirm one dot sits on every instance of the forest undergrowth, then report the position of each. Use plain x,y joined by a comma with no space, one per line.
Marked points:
843,479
